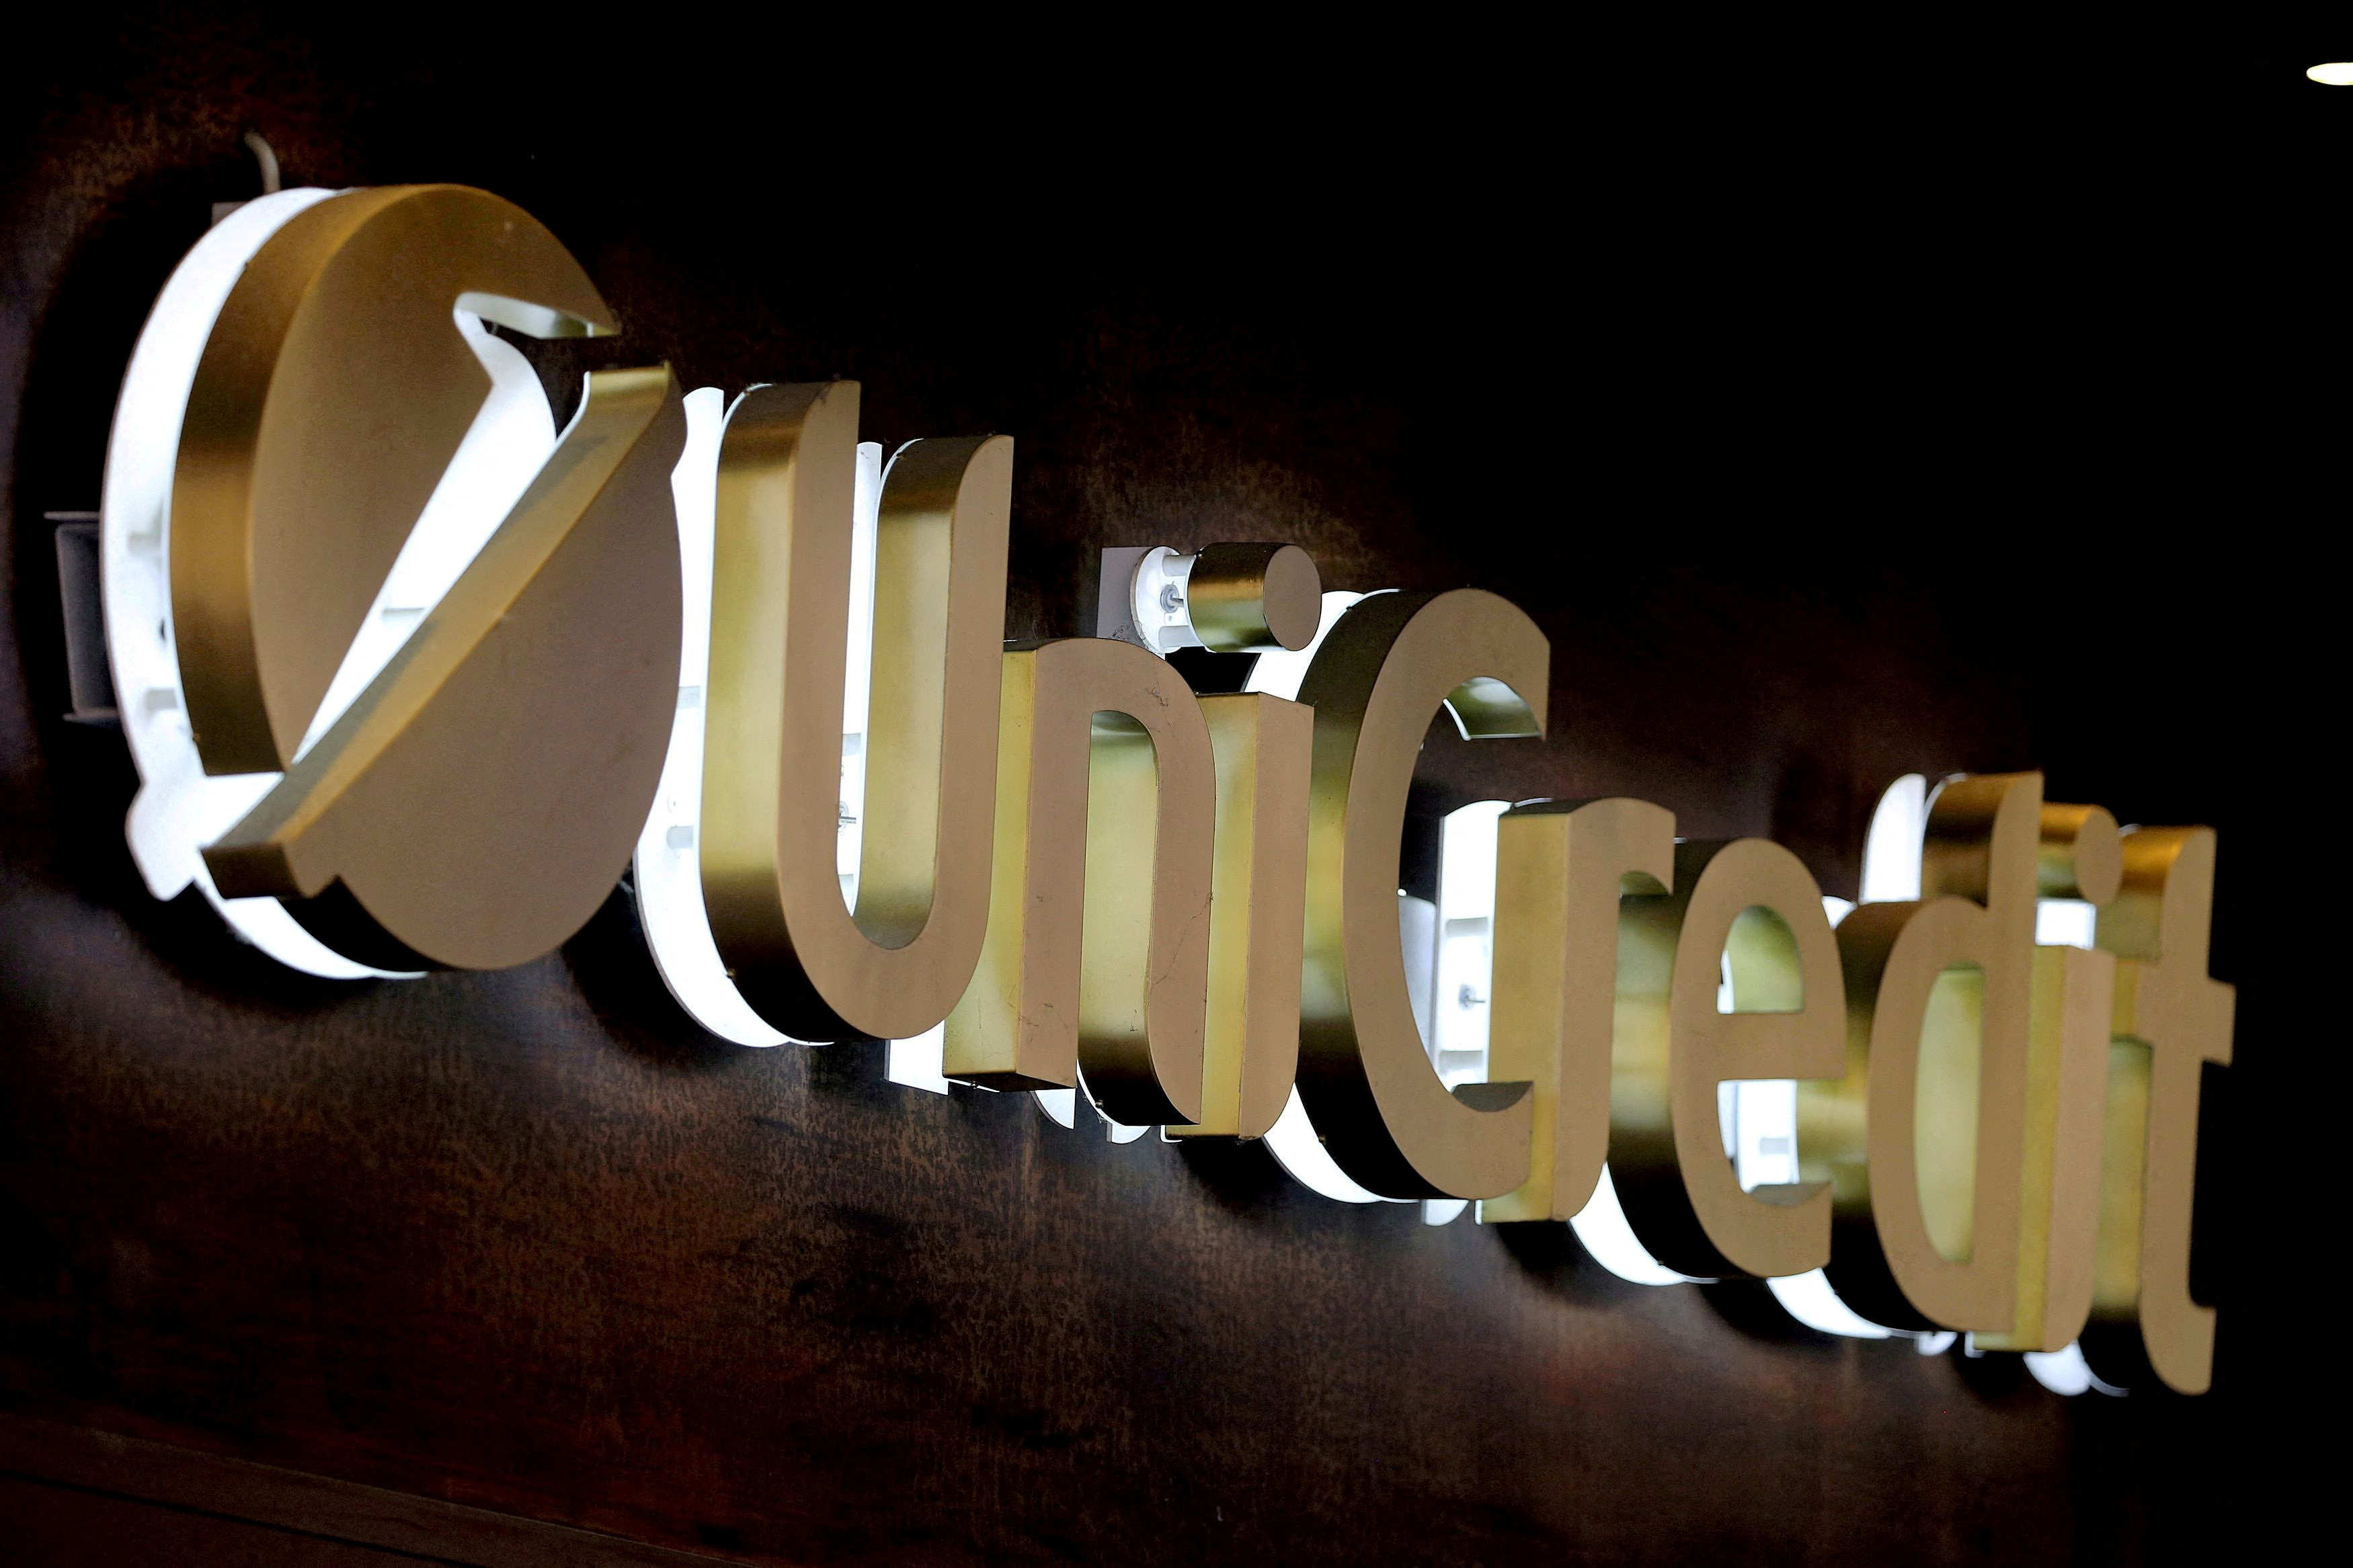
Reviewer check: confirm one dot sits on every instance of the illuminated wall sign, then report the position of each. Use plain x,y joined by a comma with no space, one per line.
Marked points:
412,678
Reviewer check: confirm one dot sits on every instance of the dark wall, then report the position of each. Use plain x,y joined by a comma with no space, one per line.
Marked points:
1835,422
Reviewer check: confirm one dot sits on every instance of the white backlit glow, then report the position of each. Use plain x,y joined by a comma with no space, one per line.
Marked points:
1298,1150
179,807
2335,73
1466,944
858,669
914,1062
1061,1107
2065,1371
1603,1231
667,870
1891,849
1809,1299
2065,923
1454,1017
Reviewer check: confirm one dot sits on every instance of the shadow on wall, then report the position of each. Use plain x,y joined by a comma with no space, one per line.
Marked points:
609,961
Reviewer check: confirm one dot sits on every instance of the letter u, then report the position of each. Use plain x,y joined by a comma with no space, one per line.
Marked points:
770,793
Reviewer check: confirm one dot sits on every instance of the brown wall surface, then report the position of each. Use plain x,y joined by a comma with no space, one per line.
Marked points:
1981,480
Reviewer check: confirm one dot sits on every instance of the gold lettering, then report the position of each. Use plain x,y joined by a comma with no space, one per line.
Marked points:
332,395
475,803
1097,957
1092,877
1560,869
1263,748
1922,1139
2071,997
771,779
2171,1019
1365,1080
1753,905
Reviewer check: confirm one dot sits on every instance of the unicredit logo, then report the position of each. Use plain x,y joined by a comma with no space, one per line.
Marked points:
413,677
